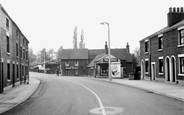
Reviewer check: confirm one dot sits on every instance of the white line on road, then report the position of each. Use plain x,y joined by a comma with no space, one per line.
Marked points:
99,100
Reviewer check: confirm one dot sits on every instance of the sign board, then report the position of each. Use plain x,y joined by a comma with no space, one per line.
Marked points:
115,69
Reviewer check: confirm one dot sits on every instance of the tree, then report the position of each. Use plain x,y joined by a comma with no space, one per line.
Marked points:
51,54
136,57
75,38
82,44
58,56
32,57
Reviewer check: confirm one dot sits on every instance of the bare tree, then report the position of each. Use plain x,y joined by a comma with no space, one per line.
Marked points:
82,44
51,54
75,38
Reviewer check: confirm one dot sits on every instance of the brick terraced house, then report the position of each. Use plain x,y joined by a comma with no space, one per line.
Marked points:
162,53
13,53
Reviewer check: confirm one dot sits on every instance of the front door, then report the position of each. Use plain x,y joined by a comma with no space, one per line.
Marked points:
153,70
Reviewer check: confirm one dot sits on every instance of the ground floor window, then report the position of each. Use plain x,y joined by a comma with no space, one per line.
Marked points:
181,62
161,67
8,71
146,65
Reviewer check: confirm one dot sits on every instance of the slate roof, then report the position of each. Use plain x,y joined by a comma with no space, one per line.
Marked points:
166,29
74,54
121,54
91,64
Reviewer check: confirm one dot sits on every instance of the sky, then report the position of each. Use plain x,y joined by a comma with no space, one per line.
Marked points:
50,23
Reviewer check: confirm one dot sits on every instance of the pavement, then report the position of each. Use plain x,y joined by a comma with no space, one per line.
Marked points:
15,96
20,93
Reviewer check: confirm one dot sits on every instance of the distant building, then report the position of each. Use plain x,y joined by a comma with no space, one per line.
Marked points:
162,53
81,61
14,60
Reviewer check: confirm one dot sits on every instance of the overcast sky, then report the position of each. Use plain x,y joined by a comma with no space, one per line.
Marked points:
50,23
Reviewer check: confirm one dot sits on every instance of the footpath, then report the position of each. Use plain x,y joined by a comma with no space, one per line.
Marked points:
174,91
17,95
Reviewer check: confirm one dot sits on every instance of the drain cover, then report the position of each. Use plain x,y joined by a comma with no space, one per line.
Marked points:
108,110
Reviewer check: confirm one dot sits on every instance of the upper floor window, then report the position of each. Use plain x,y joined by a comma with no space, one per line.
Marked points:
17,33
181,37
146,46
76,63
66,63
17,50
8,44
7,23
160,43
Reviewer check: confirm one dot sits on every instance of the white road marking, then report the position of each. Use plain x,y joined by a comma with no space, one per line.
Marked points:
99,100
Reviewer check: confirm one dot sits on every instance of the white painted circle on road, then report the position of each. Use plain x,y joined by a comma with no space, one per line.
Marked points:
108,110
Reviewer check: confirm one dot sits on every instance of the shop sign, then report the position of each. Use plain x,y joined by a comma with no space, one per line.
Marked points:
71,67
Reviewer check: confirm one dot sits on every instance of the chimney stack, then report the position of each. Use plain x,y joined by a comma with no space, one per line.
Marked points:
175,15
128,48
106,48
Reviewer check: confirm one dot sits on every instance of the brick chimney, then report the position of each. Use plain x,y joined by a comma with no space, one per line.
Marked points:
128,48
175,15
106,48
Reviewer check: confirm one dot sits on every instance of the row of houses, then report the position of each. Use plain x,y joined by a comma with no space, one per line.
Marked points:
162,53
14,47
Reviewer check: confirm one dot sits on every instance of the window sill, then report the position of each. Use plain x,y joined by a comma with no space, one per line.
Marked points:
180,45
160,50
161,73
146,53
180,74
146,72
8,80
8,53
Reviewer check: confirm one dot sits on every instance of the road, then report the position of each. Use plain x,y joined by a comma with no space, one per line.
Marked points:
86,96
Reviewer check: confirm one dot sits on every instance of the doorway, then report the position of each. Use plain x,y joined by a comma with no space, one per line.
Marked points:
173,69
167,69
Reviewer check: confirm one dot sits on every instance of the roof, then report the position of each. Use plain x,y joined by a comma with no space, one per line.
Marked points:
91,64
166,29
74,54
121,54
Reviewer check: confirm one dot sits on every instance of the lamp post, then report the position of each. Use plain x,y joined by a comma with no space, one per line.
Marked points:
109,51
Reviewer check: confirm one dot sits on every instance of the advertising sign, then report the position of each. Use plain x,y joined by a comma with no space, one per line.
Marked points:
115,69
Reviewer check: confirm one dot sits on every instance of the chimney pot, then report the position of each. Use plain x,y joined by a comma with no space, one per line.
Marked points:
170,9
178,9
106,48
174,9
181,9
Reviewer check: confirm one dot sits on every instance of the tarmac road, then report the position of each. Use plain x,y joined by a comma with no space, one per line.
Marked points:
85,96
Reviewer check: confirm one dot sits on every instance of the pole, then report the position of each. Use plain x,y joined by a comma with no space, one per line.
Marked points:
110,78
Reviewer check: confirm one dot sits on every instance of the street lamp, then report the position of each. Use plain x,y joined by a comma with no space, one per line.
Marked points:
109,51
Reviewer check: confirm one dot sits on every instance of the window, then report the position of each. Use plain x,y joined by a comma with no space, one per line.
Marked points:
181,37
23,53
76,63
160,43
181,62
161,65
8,71
17,33
20,52
17,50
17,71
146,65
146,46
8,44
7,23
66,63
